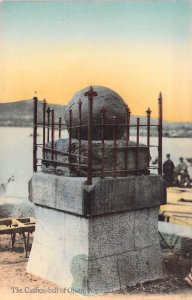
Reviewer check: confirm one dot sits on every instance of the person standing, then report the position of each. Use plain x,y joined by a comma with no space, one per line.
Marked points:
181,172
168,171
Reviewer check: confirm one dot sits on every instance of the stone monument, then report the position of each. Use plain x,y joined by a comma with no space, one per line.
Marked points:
99,237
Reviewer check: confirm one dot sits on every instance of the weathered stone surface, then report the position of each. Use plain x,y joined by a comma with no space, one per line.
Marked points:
120,239
103,275
104,196
134,230
143,154
110,195
107,99
140,266
59,237
94,255
146,227
93,247
63,145
58,192
114,195
149,188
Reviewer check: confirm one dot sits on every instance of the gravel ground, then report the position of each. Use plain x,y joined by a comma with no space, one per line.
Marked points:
13,274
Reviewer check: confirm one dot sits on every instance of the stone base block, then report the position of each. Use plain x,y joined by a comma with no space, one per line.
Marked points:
97,254
104,196
63,146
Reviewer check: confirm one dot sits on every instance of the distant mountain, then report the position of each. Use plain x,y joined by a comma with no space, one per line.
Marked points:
20,113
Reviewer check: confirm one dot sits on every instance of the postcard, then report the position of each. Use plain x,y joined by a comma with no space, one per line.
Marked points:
96,162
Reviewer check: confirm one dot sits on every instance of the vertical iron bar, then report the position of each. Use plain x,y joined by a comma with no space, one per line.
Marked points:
127,132
148,111
44,113
137,146
160,129
52,133
103,111
70,136
91,93
114,146
35,134
79,133
59,127
90,132
48,123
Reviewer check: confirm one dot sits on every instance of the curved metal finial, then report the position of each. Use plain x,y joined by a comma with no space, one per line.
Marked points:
160,97
91,92
35,96
148,111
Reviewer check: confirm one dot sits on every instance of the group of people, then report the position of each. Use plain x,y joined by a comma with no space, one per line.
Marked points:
176,176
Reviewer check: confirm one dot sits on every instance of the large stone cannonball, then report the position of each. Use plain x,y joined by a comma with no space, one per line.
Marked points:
107,99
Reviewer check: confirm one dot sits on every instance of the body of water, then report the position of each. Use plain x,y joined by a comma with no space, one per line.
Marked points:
17,152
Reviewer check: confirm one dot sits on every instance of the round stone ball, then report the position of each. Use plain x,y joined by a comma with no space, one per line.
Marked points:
106,99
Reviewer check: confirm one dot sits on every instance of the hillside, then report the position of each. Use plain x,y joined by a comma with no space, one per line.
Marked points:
20,113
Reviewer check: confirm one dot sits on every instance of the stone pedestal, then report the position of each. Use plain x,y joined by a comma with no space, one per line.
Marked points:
97,238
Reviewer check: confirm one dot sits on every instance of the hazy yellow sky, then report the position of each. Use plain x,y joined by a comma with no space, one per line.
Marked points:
135,49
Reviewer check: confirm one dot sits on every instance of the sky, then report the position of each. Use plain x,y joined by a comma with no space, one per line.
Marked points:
136,48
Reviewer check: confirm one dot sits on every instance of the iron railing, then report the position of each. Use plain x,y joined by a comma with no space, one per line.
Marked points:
49,127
